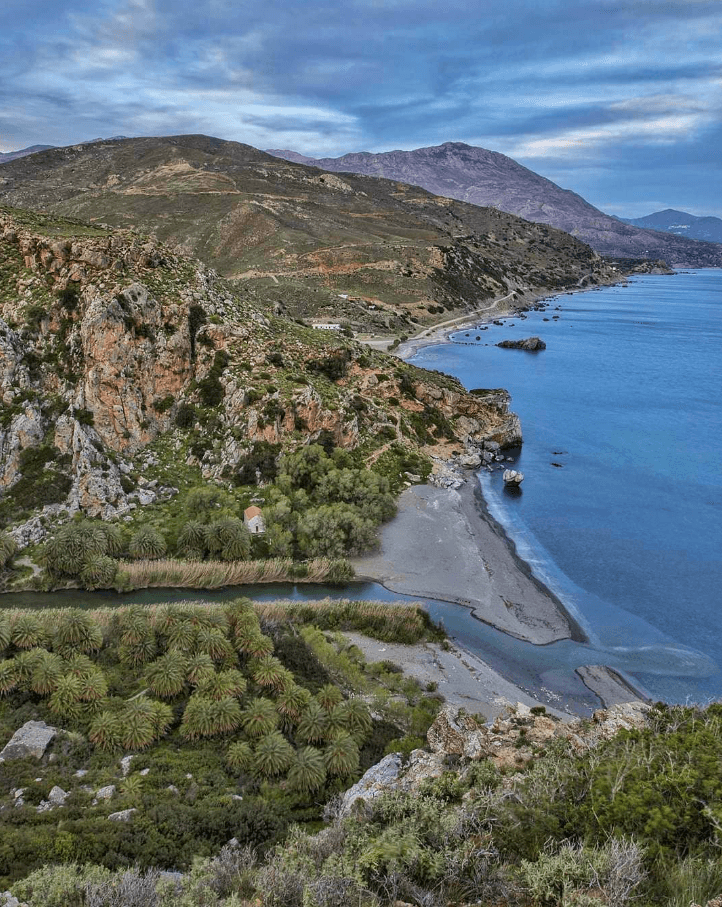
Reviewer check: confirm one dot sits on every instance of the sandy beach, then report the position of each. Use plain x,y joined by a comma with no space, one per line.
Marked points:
444,545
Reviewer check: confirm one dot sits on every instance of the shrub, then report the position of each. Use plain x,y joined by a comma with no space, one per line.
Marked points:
147,544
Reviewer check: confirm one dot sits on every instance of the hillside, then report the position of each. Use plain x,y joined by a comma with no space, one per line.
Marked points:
131,375
23,152
375,253
486,177
706,229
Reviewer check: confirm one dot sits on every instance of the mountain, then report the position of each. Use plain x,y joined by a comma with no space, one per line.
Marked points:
486,177
13,155
375,253
113,345
707,229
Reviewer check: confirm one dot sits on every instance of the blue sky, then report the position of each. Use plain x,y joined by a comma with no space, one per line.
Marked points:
619,101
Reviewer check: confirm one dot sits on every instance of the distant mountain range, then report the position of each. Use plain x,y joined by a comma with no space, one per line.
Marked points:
487,178
707,229
13,155
34,149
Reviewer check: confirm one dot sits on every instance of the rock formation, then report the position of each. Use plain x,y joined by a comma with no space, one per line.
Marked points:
532,344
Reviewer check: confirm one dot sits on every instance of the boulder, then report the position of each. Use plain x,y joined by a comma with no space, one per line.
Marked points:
32,739
58,796
512,477
105,793
531,344
123,815
377,780
450,732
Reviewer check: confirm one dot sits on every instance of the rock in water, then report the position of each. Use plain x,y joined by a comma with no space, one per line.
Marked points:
532,344
513,478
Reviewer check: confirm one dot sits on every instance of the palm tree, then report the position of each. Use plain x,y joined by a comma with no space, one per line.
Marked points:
223,684
134,625
192,539
313,726
140,653
5,633
259,717
268,672
28,631
79,666
66,699
213,642
228,538
181,635
198,718
8,547
25,663
99,570
72,545
8,676
161,718
357,718
76,631
273,755
48,671
239,757
105,732
200,669
226,715
132,788
239,611
147,544
291,702
336,718
166,677
341,755
94,686
329,696
136,724
113,539
308,771
253,644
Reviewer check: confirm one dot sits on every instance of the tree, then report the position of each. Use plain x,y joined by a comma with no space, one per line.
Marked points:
200,669
273,755
291,703
313,725
105,732
329,696
193,538
334,530
166,677
72,545
66,699
136,723
213,642
268,672
161,718
28,631
48,671
8,676
94,686
76,631
239,757
8,547
357,718
341,755
198,718
259,717
225,714
134,625
99,570
147,544
181,635
229,539
308,771
5,633
255,645
223,684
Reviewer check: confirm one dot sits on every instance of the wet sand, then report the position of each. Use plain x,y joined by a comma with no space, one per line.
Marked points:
443,544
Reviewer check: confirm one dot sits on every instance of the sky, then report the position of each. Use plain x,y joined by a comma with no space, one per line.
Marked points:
619,100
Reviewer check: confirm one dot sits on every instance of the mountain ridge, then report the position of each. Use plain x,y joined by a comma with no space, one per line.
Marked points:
488,178
681,223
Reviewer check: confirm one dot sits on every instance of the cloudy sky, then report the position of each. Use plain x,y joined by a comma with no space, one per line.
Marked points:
620,100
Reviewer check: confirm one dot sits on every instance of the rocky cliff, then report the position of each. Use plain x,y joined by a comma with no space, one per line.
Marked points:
111,343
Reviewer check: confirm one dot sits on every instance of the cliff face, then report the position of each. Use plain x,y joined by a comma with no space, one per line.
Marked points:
110,342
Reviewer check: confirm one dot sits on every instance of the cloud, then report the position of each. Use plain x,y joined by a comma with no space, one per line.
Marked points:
563,85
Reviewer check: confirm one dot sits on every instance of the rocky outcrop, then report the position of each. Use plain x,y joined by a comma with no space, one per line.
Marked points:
532,344
32,739
509,742
479,417
512,478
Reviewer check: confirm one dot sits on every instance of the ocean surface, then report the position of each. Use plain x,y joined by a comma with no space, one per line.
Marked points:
620,512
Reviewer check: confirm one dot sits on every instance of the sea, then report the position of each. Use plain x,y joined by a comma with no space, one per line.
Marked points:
620,511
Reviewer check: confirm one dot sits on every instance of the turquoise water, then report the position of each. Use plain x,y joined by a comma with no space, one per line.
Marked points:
621,507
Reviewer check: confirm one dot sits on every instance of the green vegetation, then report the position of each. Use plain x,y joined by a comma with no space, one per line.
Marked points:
217,702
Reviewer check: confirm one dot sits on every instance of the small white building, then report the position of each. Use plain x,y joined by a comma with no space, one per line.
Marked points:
326,326
253,520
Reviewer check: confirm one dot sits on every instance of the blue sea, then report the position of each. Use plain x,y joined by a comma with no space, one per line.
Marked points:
620,512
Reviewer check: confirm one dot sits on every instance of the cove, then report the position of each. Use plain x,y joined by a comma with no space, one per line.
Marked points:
621,508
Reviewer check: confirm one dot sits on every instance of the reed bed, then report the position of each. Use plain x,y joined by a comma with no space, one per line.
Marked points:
215,574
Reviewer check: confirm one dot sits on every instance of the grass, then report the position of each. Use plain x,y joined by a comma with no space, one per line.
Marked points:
215,574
